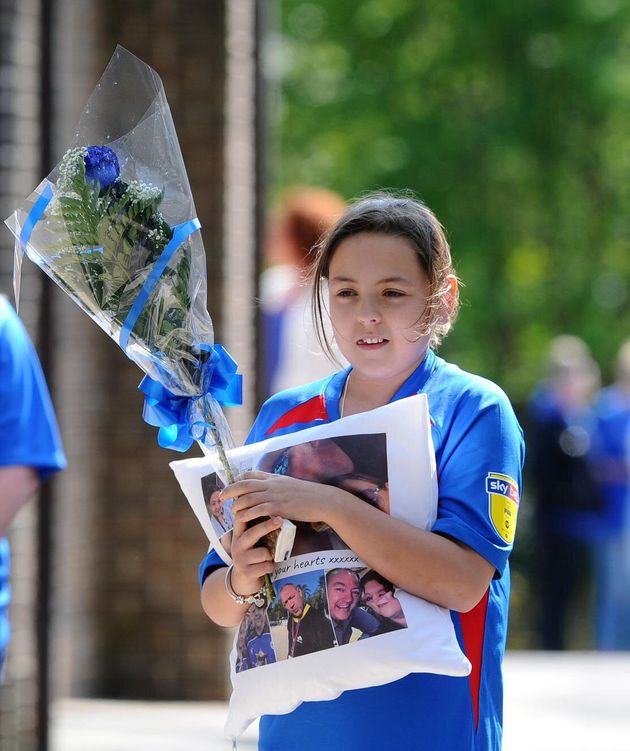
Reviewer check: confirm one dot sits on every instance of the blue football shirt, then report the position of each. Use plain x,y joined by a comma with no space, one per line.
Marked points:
479,452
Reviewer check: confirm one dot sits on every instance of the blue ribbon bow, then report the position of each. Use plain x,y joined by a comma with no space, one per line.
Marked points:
171,413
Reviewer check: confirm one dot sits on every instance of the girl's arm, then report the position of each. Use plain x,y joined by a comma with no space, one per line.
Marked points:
429,565
426,564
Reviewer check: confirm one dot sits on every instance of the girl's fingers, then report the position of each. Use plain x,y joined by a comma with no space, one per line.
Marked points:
240,524
254,556
242,517
249,482
250,499
253,561
253,535
255,474
254,500
242,487
258,570
252,572
249,514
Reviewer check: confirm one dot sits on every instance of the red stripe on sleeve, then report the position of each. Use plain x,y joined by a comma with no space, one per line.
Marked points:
473,628
313,409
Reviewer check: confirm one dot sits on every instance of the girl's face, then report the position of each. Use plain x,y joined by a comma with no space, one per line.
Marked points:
378,296
381,600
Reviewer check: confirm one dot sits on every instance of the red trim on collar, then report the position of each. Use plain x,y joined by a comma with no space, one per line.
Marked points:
313,409
473,629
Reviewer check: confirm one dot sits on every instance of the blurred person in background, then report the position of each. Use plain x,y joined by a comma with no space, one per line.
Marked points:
30,446
612,469
292,353
560,429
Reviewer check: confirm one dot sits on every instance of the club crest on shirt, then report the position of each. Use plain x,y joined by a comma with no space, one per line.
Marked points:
503,502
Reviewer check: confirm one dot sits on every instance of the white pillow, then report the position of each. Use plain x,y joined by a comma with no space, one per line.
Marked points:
357,631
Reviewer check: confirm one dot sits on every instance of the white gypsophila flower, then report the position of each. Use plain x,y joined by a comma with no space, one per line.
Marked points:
70,166
140,191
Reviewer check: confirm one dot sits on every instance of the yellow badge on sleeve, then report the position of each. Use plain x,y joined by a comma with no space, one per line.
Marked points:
503,498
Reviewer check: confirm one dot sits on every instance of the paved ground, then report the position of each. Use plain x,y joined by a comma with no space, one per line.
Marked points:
553,702
567,702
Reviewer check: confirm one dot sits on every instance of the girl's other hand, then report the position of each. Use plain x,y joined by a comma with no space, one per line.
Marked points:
260,494
251,562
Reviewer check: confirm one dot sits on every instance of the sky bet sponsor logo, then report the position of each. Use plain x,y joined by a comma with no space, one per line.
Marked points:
503,502
503,485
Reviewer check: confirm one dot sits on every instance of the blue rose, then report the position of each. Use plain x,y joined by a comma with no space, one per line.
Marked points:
101,166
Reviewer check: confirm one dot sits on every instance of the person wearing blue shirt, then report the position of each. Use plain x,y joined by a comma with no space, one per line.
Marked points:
260,649
392,297
30,445
612,550
567,503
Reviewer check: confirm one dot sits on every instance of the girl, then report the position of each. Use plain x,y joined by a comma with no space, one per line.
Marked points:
392,296
379,595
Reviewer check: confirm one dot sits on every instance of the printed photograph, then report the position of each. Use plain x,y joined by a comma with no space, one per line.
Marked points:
356,463
298,616
220,512
318,610
254,645
353,617
378,595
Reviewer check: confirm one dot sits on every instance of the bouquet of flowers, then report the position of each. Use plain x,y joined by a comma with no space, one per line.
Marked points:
114,225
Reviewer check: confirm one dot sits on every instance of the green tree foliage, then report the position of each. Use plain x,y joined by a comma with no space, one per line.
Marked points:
511,120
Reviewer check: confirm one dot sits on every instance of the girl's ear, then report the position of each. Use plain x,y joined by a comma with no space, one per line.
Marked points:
453,285
449,300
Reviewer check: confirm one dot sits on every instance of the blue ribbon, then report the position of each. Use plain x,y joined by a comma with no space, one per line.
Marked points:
168,412
180,233
34,215
220,377
171,413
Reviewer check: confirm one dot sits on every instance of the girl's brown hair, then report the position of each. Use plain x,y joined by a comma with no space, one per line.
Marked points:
397,216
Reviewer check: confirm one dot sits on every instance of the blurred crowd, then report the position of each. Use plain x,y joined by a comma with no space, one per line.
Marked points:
578,442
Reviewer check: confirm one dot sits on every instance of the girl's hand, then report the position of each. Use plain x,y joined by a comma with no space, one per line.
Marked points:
251,563
260,494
